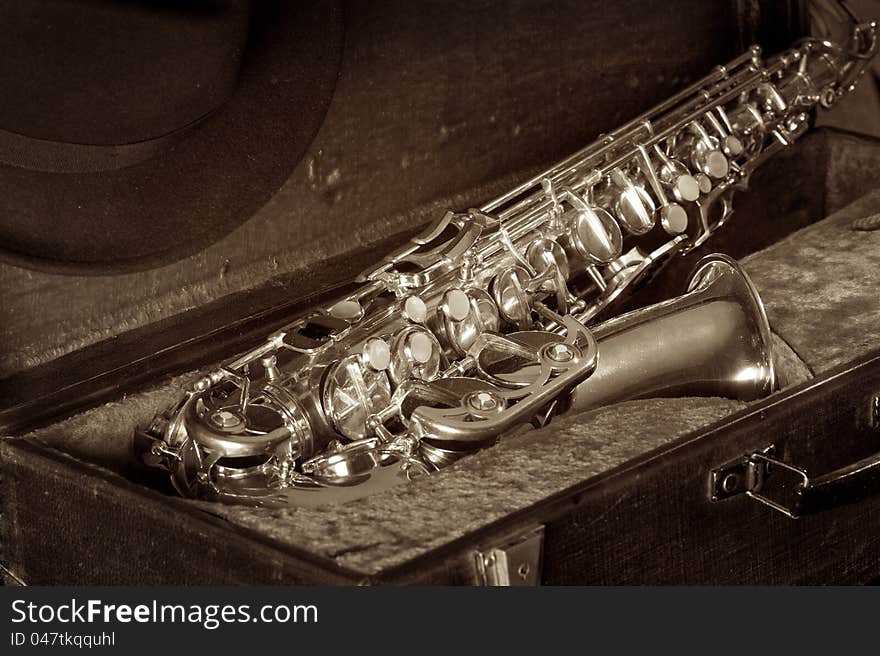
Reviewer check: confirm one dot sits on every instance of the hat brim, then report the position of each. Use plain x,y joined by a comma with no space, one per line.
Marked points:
210,181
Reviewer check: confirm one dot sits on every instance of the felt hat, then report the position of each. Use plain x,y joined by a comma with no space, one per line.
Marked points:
136,132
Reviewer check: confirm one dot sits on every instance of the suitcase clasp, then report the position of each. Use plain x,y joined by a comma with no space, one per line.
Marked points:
789,489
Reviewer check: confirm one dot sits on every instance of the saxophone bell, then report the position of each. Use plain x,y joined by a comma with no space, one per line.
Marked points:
714,340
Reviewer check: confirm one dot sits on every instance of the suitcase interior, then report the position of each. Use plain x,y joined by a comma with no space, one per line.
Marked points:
621,492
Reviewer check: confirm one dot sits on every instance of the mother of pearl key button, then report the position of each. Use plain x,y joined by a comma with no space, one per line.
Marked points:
715,164
687,187
732,146
457,303
347,310
705,183
377,354
420,347
415,309
674,219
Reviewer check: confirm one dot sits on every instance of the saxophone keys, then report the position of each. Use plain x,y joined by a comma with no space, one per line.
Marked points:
704,182
713,163
514,303
377,354
434,229
686,188
707,156
673,218
705,153
352,393
747,125
347,464
634,206
675,176
732,146
595,235
347,310
485,311
415,353
770,98
464,316
415,310
547,255
455,305
635,209
543,253
227,420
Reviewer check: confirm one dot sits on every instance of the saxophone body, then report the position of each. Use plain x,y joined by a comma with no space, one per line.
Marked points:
495,318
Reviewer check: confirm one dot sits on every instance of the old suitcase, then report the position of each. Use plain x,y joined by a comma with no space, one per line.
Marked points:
647,491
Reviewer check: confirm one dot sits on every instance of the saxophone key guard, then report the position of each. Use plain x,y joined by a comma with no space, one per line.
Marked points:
518,377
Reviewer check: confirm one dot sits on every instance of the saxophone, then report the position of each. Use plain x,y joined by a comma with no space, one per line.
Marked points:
487,321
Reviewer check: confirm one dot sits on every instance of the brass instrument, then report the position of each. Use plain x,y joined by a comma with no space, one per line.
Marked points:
487,320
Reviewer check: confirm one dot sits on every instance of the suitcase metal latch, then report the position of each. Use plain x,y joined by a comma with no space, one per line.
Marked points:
516,561
789,489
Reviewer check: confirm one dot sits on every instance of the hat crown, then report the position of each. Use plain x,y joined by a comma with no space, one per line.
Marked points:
109,73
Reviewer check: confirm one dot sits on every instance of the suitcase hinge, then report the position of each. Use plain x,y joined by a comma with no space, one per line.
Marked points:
515,561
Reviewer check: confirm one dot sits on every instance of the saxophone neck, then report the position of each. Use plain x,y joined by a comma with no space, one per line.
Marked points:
846,43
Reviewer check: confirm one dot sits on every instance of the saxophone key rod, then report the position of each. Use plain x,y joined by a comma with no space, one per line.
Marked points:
719,74
639,125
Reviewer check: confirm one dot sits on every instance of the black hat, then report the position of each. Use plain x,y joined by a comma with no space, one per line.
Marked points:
136,132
